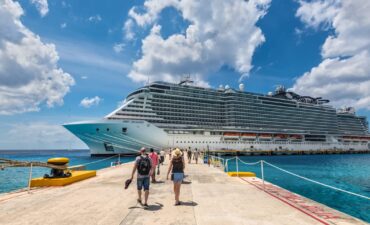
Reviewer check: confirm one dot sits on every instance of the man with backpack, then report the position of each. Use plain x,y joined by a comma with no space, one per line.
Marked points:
143,165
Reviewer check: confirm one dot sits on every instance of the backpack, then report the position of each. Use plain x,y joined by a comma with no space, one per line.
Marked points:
144,166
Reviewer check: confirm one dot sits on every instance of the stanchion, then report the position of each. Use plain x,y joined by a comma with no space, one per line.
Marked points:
262,175
29,180
237,166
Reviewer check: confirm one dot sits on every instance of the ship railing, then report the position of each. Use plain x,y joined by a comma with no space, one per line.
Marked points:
263,163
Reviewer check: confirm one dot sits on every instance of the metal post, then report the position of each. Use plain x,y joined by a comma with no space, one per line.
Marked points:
263,176
119,159
237,166
29,180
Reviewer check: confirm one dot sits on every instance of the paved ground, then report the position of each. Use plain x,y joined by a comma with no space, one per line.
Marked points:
209,197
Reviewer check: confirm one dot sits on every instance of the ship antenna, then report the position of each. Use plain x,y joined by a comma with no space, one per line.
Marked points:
187,79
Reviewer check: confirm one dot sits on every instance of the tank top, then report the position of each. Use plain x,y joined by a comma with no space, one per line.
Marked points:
177,165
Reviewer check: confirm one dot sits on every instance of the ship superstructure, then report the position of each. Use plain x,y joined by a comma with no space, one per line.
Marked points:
163,115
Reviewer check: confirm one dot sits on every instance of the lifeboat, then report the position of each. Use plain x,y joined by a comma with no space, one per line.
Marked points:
265,136
296,137
281,136
248,136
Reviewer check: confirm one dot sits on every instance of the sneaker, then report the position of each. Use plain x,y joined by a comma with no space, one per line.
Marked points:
178,203
146,206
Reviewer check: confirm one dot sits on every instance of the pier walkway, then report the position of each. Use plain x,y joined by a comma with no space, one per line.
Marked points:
209,196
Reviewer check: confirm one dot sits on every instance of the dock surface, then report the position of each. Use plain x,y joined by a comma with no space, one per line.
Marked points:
208,195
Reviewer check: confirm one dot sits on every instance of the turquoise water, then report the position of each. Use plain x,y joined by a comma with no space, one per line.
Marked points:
348,172
15,178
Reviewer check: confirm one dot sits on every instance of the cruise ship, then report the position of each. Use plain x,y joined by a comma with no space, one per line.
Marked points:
164,115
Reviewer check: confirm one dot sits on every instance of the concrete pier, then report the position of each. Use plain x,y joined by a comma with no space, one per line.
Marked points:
209,196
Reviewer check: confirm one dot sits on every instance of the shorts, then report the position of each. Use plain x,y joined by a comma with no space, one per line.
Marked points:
143,182
178,177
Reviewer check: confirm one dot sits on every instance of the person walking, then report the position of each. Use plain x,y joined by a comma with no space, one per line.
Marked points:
196,155
162,156
143,166
177,166
154,157
189,155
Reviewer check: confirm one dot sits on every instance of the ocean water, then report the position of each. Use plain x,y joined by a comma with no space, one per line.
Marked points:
348,172
17,177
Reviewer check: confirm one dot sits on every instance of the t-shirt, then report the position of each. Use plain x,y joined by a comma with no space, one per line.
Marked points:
196,154
137,164
154,157
162,153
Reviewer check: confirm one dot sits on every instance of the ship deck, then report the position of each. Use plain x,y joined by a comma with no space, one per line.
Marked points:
209,196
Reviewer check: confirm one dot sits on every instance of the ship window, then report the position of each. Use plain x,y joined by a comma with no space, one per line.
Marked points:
108,147
124,129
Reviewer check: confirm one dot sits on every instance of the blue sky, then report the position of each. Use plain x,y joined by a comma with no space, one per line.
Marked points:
107,50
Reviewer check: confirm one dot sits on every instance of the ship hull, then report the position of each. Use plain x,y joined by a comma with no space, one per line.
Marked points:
110,137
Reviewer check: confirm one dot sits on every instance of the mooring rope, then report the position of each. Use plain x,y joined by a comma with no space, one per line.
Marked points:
100,160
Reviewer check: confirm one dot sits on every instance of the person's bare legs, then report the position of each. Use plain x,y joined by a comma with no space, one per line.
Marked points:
146,195
176,188
139,195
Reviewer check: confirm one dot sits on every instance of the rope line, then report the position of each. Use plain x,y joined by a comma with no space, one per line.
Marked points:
250,164
98,160
317,182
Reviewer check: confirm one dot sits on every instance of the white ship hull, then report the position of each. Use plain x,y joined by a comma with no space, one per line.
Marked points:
108,137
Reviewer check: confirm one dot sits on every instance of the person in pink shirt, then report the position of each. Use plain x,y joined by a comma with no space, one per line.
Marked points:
154,157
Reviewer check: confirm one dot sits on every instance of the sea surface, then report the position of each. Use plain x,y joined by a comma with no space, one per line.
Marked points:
348,172
13,178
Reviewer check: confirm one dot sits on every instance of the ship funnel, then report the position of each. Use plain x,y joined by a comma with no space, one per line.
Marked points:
241,87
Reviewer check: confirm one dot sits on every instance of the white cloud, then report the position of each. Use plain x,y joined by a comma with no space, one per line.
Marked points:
344,74
38,135
84,77
29,74
96,18
128,29
88,102
220,33
42,6
318,12
63,25
118,47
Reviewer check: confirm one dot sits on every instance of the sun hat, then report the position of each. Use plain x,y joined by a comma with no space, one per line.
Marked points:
142,150
177,152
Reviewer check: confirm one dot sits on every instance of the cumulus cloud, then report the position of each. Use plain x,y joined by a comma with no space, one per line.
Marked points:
96,18
29,74
88,102
344,73
42,6
128,29
118,47
220,33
